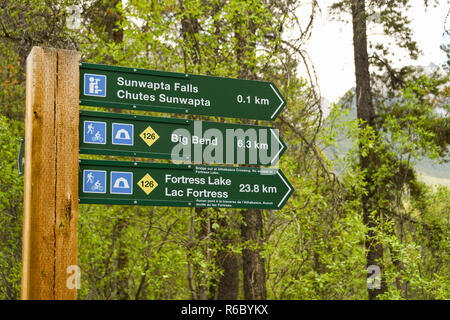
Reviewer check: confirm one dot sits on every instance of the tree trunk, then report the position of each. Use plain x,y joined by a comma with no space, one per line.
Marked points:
228,284
251,229
365,111
203,234
253,263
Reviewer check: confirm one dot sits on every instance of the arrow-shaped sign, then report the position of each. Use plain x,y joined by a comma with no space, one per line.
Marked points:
178,139
172,92
158,184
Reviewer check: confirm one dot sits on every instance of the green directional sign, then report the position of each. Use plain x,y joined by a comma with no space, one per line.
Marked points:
178,139
128,88
159,184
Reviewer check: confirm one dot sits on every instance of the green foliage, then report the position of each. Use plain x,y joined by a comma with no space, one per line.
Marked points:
314,247
11,194
26,23
413,225
153,243
12,90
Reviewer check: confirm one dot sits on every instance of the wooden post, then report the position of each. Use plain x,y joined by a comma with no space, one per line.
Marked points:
51,174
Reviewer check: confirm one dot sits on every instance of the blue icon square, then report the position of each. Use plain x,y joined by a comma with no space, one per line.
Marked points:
94,85
94,132
94,181
121,182
122,134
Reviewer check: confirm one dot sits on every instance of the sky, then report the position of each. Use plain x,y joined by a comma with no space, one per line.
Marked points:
331,52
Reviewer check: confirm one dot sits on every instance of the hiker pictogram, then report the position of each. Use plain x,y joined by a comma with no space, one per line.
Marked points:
94,181
94,132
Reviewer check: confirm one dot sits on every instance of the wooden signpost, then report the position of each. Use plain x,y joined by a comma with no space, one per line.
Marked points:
50,208
56,181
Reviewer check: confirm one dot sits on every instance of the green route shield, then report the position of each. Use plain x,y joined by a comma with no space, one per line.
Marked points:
178,139
171,92
159,184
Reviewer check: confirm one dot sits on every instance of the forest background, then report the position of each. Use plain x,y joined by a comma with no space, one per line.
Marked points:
360,224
